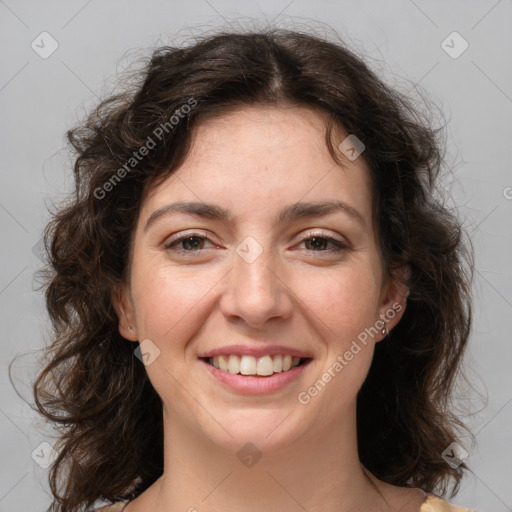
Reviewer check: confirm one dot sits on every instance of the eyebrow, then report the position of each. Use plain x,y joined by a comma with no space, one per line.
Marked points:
290,213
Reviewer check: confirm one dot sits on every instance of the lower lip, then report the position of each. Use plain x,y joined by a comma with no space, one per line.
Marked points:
253,384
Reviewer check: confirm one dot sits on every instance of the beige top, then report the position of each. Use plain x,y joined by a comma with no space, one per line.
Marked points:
431,504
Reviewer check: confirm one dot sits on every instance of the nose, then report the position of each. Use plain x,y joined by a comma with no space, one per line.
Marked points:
256,292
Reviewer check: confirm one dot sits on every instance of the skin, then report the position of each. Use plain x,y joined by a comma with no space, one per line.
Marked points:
255,161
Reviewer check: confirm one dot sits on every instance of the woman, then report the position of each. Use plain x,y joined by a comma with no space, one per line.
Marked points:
258,302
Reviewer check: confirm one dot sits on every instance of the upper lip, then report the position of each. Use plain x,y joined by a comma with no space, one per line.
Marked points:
248,350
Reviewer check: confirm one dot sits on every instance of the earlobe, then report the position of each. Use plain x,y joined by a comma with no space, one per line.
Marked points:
125,314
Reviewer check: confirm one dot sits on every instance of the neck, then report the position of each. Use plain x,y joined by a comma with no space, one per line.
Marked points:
320,471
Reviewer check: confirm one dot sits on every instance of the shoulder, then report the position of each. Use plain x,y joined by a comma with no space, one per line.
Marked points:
435,504
115,507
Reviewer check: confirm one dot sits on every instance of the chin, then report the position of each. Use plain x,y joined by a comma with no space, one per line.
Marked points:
267,430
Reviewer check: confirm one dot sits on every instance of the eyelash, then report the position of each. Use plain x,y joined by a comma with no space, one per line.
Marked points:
170,246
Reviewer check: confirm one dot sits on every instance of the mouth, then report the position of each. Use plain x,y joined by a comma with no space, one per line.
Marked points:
251,375
264,366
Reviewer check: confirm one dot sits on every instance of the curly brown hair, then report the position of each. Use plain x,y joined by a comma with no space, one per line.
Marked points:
93,387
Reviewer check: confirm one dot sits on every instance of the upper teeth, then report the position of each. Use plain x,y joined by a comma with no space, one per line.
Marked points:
250,365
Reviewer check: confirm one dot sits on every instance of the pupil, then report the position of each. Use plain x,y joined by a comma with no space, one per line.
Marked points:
192,245
317,242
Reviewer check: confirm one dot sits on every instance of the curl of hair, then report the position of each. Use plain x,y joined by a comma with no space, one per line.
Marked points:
97,392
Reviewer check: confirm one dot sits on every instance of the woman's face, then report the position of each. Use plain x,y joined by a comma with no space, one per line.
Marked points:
253,263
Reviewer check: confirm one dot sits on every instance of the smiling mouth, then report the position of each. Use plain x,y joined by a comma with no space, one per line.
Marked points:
264,366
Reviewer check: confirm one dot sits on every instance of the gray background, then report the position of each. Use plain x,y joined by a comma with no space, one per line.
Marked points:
41,98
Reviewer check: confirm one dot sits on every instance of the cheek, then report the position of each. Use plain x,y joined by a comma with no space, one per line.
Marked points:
345,301
344,306
168,301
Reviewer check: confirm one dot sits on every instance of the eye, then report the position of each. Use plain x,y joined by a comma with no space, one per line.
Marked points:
192,242
319,243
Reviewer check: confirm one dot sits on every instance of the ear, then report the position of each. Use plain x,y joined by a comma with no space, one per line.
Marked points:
394,298
125,311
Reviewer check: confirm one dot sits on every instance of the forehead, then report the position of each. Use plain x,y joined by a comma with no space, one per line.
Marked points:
254,158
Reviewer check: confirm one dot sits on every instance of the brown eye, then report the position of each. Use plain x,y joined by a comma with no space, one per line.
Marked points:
316,243
192,243
187,243
320,243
